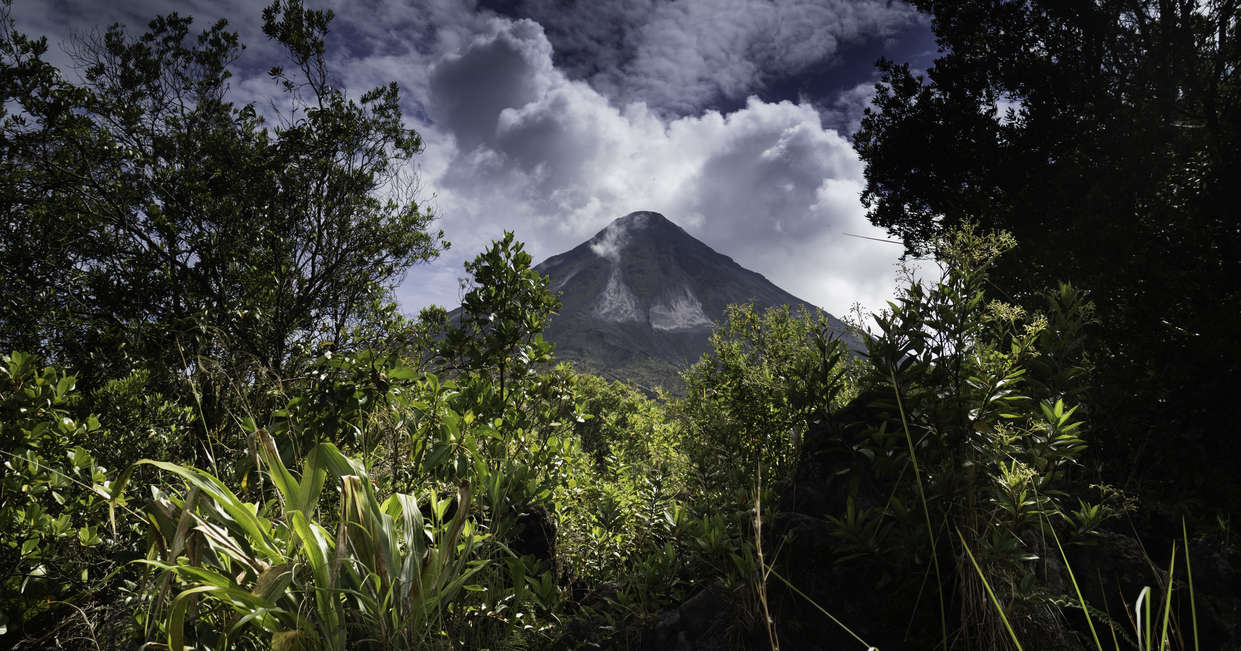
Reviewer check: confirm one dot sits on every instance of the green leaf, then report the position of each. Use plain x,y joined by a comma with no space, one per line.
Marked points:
241,514
65,385
402,372
88,535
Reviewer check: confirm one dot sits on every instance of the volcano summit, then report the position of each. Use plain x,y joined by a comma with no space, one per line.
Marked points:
640,298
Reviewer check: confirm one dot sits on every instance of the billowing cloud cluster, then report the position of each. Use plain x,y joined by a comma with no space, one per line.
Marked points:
518,144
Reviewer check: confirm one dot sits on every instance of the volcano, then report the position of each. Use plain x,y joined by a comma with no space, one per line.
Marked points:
640,298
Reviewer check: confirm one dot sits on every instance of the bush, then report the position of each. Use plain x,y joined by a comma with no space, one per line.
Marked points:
53,499
747,405
964,439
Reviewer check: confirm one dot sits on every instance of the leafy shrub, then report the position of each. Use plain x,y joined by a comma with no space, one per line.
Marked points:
973,446
141,422
53,497
769,378
624,507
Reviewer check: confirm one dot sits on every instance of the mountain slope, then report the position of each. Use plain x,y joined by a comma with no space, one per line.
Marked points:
639,299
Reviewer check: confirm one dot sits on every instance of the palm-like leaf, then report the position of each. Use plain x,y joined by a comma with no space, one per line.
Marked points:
388,570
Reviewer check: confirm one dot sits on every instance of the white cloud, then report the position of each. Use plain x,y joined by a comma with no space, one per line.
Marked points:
846,109
556,161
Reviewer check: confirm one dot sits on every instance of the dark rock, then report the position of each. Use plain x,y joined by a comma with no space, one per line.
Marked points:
702,623
534,534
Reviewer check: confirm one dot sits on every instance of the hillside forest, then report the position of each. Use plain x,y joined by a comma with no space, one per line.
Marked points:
219,431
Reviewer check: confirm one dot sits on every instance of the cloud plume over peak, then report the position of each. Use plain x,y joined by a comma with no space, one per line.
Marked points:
766,183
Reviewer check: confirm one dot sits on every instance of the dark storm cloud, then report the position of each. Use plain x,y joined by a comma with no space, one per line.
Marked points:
469,90
682,57
66,21
589,37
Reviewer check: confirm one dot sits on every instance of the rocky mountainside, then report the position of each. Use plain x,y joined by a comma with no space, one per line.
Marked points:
639,299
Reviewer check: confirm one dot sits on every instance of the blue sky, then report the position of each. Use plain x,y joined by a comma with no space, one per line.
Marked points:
553,117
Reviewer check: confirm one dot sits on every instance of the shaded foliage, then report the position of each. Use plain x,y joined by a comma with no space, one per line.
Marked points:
52,498
498,327
965,434
769,377
1104,136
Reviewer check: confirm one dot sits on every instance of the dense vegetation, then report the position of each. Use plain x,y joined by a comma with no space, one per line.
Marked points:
219,432
1104,136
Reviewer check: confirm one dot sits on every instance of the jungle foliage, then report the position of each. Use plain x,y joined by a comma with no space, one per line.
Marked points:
220,432
1104,136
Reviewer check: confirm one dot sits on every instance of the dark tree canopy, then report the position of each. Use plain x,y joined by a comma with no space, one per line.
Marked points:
148,218
1104,135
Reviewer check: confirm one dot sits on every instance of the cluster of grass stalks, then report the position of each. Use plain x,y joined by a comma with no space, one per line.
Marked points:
1142,618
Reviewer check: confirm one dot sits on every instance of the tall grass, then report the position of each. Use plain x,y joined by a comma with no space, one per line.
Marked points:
1143,617
772,571
990,593
926,512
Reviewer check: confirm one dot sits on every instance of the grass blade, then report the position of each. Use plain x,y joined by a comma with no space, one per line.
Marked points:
1167,600
990,593
1189,570
803,595
1073,579
926,513
1143,640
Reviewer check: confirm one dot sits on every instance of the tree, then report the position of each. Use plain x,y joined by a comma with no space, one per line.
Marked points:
961,441
769,377
149,220
501,318
1104,136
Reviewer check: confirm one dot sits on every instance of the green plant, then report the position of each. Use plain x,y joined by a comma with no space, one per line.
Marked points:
380,572
768,379
141,422
53,497
519,455
153,223
1112,172
502,316
970,425
339,401
1141,617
